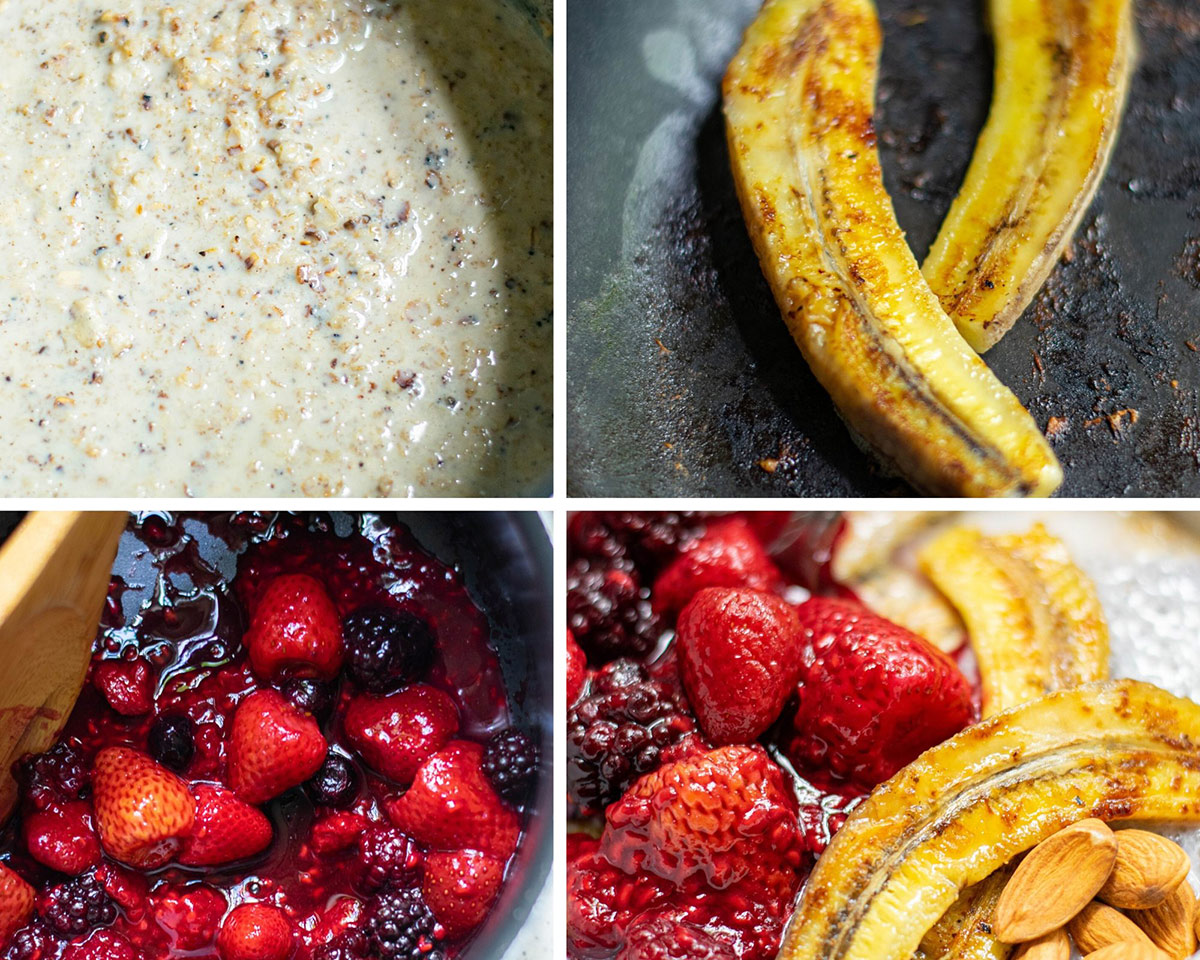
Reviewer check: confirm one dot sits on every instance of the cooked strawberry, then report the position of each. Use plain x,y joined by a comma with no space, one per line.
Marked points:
739,654
189,915
142,810
398,732
226,829
295,630
102,945
725,816
460,888
872,695
63,838
576,669
662,936
127,685
255,931
337,832
16,904
728,555
273,745
452,806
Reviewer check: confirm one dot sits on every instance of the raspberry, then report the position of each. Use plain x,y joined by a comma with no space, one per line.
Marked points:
608,611
351,945
31,942
336,783
385,648
619,730
388,858
55,776
510,762
400,925
172,741
665,938
78,906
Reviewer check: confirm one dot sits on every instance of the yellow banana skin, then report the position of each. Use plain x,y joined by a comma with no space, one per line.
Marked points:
1062,73
1033,617
799,103
962,810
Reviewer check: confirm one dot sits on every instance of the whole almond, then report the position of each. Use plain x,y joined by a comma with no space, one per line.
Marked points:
1148,868
1055,881
1171,925
1097,925
1052,946
1127,951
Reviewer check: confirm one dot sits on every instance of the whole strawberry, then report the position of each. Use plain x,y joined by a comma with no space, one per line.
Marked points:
728,555
873,696
255,931
143,811
739,655
460,888
16,904
127,685
452,806
273,745
398,732
63,838
226,829
295,631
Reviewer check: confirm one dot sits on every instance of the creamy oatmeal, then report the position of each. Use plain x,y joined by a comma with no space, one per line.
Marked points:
283,247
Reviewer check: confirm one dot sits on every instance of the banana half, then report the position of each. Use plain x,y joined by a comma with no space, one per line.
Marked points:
799,104
1062,73
962,810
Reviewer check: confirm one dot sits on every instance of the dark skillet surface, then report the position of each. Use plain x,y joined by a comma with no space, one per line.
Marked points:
683,378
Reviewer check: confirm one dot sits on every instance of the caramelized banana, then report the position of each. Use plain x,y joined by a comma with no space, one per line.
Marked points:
1062,72
965,930
962,810
799,103
1033,617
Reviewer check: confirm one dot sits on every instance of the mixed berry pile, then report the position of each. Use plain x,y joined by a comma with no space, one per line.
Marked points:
294,745
728,707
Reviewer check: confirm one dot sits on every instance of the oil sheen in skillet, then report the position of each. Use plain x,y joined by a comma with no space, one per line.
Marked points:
277,247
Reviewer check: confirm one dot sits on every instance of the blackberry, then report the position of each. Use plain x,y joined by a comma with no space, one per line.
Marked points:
608,610
172,741
650,540
619,730
388,857
78,906
311,696
350,945
336,783
385,648
55,776
510,762
401,927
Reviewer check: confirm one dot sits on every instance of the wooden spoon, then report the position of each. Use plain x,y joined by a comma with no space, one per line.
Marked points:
54,573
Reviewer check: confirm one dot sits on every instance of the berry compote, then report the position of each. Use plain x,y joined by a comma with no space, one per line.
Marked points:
293,744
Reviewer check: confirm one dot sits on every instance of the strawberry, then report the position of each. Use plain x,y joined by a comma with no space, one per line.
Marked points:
452,806
873,695
102,945
255,931
64,839
190,915
728,555
127,685
398,732
273,745
576,669
295,630
142,810
460,888
337,832
226,829
739,657
725,816
16,904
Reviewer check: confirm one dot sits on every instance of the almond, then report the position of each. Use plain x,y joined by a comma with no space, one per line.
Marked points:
1171,925
1051,946
1058,878
1098,925
1148,868
1127,951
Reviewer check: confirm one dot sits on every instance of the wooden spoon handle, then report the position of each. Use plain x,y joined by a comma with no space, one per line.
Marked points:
54,573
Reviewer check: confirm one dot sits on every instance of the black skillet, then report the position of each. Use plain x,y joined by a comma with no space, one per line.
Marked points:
683,380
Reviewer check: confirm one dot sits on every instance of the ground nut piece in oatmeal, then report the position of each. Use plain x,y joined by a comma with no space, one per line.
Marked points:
281,248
